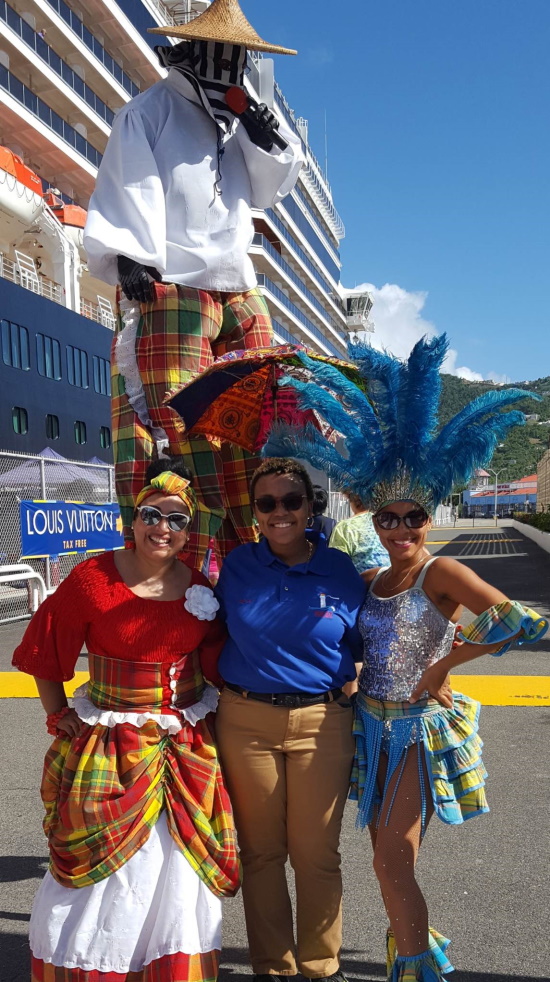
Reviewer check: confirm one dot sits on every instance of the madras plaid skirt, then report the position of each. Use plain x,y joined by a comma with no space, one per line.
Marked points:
105,789
448,741
179,334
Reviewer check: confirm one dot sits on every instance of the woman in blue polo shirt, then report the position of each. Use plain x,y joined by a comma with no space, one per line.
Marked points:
284,723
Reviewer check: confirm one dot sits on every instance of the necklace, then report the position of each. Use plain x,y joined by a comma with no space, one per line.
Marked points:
408,573
309,550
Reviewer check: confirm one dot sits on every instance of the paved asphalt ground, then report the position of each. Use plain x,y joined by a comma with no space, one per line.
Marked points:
487,883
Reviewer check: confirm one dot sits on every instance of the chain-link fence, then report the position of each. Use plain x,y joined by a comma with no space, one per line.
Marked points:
42,478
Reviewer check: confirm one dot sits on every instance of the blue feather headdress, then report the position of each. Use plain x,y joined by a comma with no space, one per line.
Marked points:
391,452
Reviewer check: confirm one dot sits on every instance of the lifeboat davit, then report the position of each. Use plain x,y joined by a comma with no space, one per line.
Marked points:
72,217
20,188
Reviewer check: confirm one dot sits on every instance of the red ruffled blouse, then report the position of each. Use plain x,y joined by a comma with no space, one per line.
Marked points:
94,607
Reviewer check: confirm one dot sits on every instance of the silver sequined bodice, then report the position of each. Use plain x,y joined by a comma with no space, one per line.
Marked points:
402,636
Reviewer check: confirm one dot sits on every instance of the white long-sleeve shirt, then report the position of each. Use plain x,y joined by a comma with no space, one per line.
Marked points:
155,199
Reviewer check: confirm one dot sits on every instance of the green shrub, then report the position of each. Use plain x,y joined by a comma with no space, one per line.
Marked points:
540,520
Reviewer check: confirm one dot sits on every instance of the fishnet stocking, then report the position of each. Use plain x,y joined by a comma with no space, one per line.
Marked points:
396,845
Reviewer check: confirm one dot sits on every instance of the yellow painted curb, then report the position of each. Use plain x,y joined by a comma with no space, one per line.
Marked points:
505,690
17,685
490,690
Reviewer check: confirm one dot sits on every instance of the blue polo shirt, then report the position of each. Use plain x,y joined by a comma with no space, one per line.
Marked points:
291,629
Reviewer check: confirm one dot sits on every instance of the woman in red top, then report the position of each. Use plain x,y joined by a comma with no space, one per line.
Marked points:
139,826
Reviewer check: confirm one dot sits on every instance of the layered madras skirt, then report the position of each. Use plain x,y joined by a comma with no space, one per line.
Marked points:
446,739
141,837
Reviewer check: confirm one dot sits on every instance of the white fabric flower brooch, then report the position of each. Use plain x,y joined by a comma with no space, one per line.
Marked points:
201,602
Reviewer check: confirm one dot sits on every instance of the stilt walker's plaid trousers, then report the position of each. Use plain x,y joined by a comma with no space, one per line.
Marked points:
181,332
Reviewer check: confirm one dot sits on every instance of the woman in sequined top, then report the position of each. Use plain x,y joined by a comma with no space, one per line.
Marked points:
417,746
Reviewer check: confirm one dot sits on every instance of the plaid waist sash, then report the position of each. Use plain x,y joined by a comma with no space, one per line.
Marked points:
123,686
385,709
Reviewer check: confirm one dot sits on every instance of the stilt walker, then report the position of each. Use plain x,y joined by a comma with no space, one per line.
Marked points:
170,222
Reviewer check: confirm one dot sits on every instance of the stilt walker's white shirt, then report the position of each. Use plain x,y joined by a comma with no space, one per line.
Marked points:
155,199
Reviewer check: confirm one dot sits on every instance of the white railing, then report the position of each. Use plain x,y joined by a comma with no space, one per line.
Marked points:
36,588
43,286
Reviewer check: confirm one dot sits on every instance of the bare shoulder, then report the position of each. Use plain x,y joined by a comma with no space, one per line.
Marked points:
369,574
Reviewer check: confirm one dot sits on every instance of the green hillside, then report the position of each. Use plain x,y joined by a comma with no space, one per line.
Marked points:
525,445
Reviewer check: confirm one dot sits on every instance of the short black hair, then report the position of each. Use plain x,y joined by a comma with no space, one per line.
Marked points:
161,464
282,465
320,500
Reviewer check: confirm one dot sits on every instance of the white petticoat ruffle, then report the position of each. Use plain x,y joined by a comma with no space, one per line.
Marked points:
154,905
92,715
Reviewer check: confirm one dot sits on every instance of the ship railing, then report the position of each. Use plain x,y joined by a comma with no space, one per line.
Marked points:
98,313
42,285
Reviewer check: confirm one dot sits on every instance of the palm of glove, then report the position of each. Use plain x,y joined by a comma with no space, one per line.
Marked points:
260,124
134,279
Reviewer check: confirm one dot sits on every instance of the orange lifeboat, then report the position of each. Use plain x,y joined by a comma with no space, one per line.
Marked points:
20,188
72,217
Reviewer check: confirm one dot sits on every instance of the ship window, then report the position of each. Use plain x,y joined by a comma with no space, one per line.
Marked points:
105,437
79,431
15,345
102,376
77,367
48,356
19,420
52,427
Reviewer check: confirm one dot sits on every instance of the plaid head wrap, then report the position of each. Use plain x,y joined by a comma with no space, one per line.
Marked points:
170,484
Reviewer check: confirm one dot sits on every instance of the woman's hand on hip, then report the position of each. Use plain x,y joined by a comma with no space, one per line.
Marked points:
436,681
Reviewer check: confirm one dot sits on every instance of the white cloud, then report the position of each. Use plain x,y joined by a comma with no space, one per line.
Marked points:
398,320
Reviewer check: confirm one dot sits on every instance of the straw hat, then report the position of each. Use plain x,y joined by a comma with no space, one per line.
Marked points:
222,21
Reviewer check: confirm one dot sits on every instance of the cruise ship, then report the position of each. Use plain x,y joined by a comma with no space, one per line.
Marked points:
65,69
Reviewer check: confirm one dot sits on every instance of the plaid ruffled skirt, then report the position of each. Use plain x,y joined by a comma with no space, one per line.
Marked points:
446,739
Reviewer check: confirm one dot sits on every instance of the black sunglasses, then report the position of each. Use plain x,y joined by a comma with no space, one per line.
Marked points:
388,520
290,502
177,520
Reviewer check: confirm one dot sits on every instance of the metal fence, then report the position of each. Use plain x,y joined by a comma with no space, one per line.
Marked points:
42,478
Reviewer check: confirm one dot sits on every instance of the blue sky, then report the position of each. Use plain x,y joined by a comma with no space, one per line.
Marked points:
438,158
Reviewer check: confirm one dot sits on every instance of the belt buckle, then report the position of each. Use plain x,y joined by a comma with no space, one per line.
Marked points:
287,700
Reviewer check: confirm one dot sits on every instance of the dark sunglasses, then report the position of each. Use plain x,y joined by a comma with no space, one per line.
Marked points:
290,502
388,520
150,515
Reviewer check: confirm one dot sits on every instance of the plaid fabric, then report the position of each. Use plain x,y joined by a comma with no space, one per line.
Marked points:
502,622
104,790
451,744
170,968
438,945
151,684
180,333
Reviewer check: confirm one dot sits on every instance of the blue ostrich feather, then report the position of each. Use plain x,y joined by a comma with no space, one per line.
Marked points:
474,413
355,402
419,398
308,444
473,449
384,375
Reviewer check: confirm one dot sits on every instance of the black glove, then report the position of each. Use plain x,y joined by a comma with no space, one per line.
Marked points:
260,124
134,281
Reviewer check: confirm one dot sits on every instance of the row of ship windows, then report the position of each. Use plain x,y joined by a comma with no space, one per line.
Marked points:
16,354
20,424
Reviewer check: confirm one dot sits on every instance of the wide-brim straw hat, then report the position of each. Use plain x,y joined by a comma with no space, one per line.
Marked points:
222,21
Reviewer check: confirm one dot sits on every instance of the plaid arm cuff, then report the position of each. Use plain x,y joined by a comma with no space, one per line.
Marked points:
502,622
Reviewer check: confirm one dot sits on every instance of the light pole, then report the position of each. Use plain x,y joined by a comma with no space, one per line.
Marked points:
496,473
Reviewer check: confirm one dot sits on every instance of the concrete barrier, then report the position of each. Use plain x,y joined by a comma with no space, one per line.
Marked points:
542,539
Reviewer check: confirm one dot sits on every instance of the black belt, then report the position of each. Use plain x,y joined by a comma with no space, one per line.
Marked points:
289,700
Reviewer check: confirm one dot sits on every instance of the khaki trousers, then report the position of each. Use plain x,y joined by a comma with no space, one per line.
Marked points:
287,773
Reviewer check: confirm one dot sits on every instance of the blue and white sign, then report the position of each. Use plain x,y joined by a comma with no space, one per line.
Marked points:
58,528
